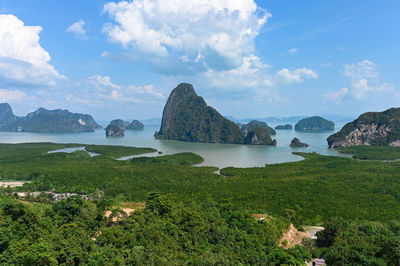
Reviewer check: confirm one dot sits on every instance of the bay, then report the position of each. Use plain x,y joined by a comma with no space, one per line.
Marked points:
219,155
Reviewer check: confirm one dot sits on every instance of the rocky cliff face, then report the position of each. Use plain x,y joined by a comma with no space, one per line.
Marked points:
6,114
258,136
53,121
113,130
135,125
187,117
373,128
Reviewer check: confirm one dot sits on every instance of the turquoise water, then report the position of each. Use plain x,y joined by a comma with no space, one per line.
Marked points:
219,155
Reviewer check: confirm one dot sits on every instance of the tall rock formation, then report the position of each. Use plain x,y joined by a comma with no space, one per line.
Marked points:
187,117
6,114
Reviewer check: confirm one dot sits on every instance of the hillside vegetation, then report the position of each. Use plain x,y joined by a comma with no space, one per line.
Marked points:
166,231
372,152
196,216
312,190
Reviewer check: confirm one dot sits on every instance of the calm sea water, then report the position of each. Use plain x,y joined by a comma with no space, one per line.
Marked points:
219,155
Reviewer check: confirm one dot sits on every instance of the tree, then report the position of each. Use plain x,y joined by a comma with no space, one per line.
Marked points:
158,204
332,228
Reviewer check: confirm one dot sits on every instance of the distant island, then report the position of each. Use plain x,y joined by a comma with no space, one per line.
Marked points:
315,123
284,127
134,125
187,117
372,128
46,121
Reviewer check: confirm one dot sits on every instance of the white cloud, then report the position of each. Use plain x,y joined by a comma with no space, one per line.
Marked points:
74,99
253,81
187,30
104,89
77,28
104,81
363,69
250,74
22,59
148,89
362,88
293,51
296,75
13,96
364,78
336,96
253,73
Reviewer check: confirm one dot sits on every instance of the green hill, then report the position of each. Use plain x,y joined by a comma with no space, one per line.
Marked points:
315,123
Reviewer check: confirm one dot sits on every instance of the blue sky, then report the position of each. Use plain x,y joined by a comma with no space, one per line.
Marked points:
116,59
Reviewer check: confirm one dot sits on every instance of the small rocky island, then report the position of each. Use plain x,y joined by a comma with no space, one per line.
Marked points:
187,117
256,124
135,125
315,123
296,143
116,128
46,121
284,127
258,136
372,128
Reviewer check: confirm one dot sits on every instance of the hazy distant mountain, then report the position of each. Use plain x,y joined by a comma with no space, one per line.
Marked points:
372,128
284,127
291,119
43,120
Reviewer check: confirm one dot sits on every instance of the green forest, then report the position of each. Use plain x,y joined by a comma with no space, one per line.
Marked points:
193,215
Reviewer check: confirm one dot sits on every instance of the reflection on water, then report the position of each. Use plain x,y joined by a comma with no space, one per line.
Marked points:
219,155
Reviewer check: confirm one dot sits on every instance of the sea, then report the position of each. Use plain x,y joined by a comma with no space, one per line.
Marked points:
217,155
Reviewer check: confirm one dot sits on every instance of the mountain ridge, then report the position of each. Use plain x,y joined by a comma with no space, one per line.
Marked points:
50,121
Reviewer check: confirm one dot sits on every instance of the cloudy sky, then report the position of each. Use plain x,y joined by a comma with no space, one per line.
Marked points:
121,59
